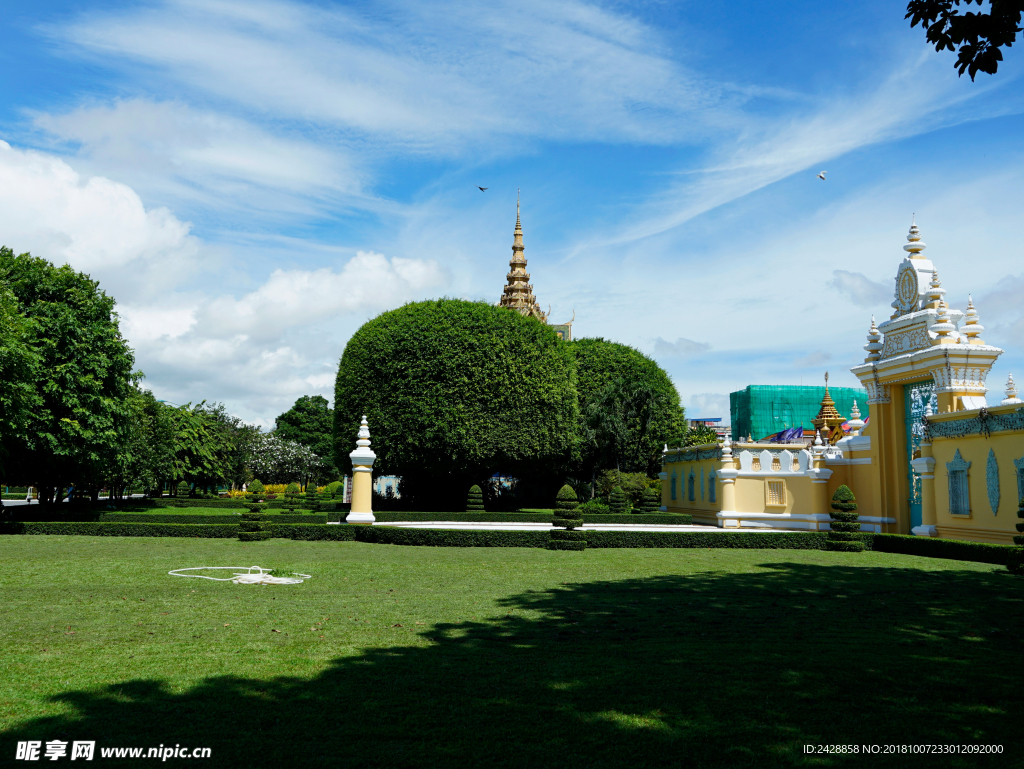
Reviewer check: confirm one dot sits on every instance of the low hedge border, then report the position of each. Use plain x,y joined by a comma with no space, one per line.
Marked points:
232,504
664,519
955,549
387,535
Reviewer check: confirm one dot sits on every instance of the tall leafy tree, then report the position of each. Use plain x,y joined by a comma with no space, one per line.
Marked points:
309,422
455,391
18,370
84,375
628,406
978,37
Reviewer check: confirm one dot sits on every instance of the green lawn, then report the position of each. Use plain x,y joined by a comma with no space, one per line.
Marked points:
448,657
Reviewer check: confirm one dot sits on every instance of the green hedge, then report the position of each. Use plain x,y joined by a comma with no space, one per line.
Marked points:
707,539
981,552
96,529
231,504
660,519
275,518
387,535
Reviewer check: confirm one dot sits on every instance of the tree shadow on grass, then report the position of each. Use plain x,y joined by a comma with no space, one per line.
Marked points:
712,669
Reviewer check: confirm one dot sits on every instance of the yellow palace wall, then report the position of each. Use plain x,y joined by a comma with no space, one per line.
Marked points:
980,524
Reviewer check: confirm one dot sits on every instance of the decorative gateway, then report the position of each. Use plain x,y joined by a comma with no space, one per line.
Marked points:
925,373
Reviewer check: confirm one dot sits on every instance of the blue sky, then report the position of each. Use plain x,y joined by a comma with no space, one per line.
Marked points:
253,180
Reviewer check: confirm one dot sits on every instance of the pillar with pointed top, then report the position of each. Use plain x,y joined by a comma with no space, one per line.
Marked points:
362,478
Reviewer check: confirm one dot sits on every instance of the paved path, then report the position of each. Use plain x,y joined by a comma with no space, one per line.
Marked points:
586,527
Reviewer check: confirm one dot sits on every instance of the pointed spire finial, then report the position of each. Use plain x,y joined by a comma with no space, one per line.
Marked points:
914,243
874,345
972,328
1011,392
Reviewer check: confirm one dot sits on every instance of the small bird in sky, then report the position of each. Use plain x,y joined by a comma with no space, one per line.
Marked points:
483,189
822,175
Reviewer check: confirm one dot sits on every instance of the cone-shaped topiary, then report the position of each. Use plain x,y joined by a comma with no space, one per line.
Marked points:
1015,563
567,517
254,526
617,501
649,502
182,492
312,498
291,497
845,528
475,500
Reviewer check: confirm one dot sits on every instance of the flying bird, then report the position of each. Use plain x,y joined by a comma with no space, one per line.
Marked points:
822,175
483,189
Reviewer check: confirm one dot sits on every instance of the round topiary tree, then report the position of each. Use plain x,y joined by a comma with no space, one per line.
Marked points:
334,488
181,493
475,500
1015,563
291,497
617,501
567,517
649,502
254,526
845,528
455,391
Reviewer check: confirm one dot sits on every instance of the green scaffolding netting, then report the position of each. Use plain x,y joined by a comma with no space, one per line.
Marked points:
763,410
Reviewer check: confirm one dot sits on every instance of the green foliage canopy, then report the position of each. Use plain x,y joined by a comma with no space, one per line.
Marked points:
629,407
83,374
309,422
455,391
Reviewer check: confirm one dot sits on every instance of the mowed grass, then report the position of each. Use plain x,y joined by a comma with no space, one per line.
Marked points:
405,656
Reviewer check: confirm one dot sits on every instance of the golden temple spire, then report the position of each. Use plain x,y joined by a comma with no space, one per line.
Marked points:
829,419
518,293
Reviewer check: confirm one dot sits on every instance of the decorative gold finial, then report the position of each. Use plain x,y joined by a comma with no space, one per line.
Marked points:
828,419
874,345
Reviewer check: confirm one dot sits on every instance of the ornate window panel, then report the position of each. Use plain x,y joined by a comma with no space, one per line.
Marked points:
775,493
690,487
959,490
712,490
992,481
702,484
1018,464
673,485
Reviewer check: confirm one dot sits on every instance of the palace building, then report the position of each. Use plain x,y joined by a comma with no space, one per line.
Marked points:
518,292
934,459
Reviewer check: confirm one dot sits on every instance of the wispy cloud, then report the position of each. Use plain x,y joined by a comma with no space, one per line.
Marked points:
859,289
681,347
432,76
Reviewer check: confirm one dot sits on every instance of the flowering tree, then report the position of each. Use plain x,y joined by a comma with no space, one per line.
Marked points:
276,460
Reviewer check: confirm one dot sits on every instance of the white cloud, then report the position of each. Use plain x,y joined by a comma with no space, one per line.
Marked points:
430,75
680,347
201,158
94,224
368,283
709,405
813,360
859,289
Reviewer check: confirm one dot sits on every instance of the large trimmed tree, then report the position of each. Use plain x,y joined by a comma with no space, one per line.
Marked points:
455,391
629,408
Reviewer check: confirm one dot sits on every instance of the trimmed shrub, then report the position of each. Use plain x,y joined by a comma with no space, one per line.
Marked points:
617,501
594,507
182,491
649,504
661,519
254,526
333,489
312,500
931,547
567,516
845,534
291,497
475,500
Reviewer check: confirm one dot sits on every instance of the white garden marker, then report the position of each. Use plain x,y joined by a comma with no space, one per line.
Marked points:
251,575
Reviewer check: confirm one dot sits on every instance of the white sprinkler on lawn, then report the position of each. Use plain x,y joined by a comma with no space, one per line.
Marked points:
251,575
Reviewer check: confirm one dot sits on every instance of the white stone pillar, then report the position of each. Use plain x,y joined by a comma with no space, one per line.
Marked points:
362,478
